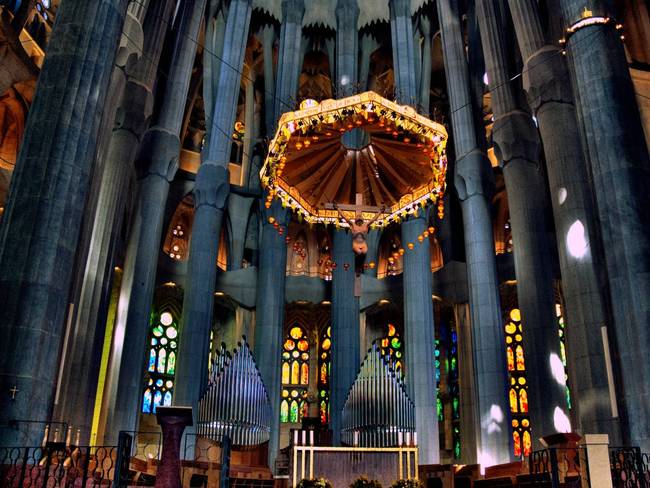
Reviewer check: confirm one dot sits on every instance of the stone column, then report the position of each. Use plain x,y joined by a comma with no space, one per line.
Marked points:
516,145
210,193
419,337
289,57
249,129
401,28
474,184
215,29
44,209
372,256
620,168
239,208
547,83
368,45
425,74
347,58
345,328
159,158
79,384
267,38
269,316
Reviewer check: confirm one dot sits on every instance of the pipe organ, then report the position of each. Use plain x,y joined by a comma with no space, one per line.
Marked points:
235,402
378,412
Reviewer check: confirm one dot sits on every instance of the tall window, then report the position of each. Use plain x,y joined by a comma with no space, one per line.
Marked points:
561,331
324,376
295,375
391,346
163,345
518,390
447,383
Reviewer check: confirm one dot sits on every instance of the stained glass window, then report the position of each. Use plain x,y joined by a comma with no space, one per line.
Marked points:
518,392
562,333
391,347
295,375
324,355
447,383
162,362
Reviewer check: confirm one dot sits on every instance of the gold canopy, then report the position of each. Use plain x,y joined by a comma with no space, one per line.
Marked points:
402,166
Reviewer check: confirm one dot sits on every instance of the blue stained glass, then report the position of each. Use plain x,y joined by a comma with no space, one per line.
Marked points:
146,401
152,360
159,383
157,399
167,400
454,338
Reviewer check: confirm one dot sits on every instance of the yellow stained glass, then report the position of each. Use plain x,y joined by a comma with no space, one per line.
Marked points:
285,373
511,328
391,330
519,354
304,374
515,315
513,400
295,332
323,373
527,443
295,373
523,400
511,358
326,345
517,443
289,345
284,411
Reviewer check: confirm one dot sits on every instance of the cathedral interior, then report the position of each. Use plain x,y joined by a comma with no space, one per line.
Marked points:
374,223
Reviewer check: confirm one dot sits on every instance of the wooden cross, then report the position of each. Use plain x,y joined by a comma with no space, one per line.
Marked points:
13,392
357,208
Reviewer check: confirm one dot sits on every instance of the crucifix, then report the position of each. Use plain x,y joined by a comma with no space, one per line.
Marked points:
13,392
358,226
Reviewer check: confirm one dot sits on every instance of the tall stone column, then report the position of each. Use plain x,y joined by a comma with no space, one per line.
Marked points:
418,308
210,194
159,157
268,37
368,45
474,184
516,145
425,74
289,56
620,168
547,83
44,209
269,318
347,58
401,28
79,385
419,340
345,328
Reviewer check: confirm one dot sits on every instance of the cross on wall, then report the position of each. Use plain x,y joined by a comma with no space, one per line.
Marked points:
13,392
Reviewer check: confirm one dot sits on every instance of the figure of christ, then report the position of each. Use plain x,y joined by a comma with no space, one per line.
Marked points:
359,228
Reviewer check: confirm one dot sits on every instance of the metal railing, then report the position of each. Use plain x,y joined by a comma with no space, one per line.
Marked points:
559,467
630,467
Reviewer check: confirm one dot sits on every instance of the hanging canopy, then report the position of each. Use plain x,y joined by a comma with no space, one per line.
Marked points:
401,166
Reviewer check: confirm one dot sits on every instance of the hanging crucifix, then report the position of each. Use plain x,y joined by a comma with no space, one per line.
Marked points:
359,226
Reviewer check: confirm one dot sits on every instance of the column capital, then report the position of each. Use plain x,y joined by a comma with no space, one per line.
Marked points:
212,186
473,175
131,43
347,10
425,26
136,108
159,153
293,11
546,78
515,137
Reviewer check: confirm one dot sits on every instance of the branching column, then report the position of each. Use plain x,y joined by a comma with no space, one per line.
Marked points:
269,316
401,28
210,194
289,55
474,184
43,215
620,168
159,156
517,147
547,83
345,328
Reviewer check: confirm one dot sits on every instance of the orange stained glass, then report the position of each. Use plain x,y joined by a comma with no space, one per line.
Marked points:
384,343
527,443
295,373
519,354
289,345
303,345
511,359
304,374
391,330
323,373
295,332
513,400
323,412
517,443
326,344
285,373
523,400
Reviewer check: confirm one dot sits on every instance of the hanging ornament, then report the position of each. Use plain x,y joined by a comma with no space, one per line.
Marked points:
420,238
410,245
271,220
431,230
401,251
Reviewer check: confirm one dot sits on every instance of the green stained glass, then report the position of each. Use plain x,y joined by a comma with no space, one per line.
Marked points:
171,363
441,414
284,411
293,412
457,449
454,407
157,331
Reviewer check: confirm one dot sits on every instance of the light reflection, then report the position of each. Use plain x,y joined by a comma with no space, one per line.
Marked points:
557,368
560,420
576,240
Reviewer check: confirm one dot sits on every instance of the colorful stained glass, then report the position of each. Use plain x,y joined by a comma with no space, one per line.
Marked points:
327,343
516,437
152,360
513,401
284,411
323,373
323,412
455,407
323,376
286,375
293,412
439,409
157,331
157,398
303,345
304,374
523,400
171,363
527,443
146,403
162,356
171,332
511,357
295,373
167,399
296,332
391,330
515,315
289,345
395,343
